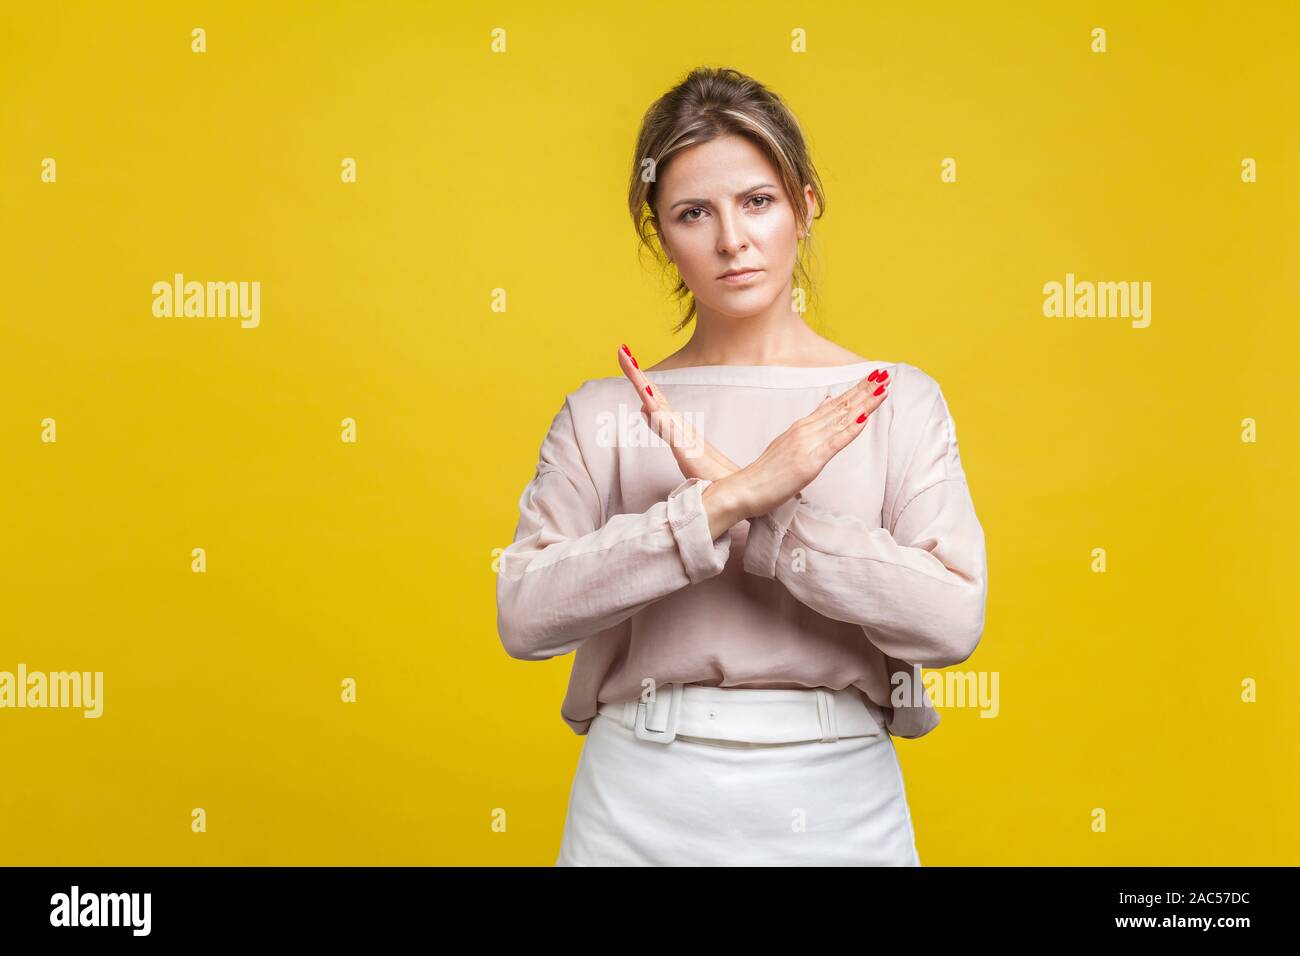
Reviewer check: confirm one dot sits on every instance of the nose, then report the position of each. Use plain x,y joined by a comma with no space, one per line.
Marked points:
730,233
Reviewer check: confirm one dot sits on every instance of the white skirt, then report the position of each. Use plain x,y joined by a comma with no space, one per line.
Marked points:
705,802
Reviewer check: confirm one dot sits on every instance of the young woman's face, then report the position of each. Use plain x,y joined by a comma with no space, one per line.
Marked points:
721,207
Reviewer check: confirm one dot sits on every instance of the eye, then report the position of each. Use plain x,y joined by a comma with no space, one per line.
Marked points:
686,216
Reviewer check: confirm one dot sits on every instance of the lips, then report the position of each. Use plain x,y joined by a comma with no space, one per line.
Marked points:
738,272
741,280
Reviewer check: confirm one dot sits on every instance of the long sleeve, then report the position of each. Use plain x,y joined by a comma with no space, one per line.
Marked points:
916,586
567,576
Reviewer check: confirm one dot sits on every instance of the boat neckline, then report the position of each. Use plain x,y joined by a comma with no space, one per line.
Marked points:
768,376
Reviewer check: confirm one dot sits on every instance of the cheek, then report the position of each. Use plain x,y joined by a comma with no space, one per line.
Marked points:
695,252
776,235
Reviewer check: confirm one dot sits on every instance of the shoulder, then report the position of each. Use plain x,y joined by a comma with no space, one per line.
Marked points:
920,416
602,387
915,393
597,395
589,407
922,434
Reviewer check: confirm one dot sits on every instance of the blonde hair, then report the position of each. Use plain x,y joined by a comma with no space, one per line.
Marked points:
707,104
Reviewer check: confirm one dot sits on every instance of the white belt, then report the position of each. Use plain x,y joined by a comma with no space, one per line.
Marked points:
766,716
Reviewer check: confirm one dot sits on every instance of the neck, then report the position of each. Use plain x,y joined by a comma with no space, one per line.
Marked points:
775,336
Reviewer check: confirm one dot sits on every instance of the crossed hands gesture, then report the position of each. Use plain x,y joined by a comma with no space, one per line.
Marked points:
786,466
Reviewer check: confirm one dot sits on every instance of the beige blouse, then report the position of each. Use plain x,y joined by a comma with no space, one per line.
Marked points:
875,569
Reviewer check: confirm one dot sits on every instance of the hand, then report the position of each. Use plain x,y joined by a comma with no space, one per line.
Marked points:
695,456
798,455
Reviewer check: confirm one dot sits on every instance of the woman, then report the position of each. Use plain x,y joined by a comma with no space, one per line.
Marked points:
748,637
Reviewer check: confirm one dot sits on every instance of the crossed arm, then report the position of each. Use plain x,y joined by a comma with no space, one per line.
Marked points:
916,586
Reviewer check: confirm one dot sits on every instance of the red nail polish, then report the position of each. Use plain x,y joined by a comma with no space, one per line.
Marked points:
628,351
872,376
883,376
862,417
634,361
649,389
879,390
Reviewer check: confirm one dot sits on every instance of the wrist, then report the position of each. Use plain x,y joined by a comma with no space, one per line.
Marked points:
730,495
723,506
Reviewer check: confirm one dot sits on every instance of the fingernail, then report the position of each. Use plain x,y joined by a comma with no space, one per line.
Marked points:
649,389
879,390
862,417
883,376
634,361
872,376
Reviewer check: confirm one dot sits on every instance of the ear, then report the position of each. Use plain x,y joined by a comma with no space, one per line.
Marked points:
810,201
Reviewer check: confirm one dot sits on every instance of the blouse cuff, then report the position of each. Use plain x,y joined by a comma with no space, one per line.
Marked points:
765,535
702,557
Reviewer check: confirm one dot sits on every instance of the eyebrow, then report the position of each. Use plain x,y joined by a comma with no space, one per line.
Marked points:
706,202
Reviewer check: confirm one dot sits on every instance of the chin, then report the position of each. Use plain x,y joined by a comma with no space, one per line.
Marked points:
741,304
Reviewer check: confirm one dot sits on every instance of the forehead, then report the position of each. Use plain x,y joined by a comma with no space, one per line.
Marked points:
721,166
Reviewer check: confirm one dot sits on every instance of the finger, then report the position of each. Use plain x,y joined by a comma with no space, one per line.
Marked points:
874,385
859,396
655,408
835,405
633,372
844,428
668,425
652,399
660,415
863,398
817,417
658,412
846,424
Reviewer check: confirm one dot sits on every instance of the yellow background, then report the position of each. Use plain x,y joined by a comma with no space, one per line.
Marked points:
479,171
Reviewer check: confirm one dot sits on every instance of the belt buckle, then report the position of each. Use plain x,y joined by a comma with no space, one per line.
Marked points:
669,733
